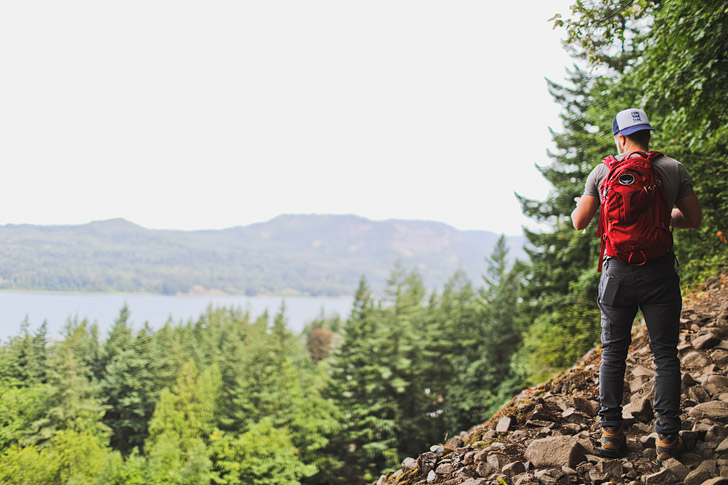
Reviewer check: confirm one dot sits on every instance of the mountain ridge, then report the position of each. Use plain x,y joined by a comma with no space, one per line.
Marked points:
311,254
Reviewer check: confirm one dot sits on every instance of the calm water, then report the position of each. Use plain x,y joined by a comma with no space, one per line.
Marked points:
57,308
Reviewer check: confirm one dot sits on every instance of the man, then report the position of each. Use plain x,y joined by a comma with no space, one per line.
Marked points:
653,287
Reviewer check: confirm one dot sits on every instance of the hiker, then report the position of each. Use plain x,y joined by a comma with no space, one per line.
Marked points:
638,271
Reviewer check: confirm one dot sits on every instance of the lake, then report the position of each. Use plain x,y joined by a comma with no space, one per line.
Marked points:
103,308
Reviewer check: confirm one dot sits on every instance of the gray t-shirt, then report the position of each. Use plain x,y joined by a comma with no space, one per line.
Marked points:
674,176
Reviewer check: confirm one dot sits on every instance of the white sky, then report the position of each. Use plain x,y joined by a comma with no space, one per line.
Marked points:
199,115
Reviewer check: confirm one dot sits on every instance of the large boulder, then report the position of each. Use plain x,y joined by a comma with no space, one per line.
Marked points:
556,451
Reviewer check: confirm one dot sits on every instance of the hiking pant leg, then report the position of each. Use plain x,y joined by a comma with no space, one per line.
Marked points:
618,303
661,303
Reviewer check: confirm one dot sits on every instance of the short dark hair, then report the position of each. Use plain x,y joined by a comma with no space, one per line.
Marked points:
641,138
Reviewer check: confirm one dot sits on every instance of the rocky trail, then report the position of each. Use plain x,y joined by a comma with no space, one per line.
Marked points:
549,434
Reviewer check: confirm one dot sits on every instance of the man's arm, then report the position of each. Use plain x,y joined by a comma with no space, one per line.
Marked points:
687,213
586,207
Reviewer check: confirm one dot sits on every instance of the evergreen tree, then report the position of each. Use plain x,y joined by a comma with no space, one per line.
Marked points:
367,442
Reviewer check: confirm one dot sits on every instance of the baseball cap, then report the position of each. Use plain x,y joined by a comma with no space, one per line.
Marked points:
629,121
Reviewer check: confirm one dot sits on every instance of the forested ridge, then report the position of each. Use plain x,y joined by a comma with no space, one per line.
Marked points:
229,399
310,255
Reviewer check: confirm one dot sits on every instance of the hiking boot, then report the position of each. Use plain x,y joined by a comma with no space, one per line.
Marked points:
668,446
613,442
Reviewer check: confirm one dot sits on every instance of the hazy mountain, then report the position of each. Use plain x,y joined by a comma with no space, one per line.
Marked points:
306,254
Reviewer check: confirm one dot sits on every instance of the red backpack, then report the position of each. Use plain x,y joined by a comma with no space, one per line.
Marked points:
634,223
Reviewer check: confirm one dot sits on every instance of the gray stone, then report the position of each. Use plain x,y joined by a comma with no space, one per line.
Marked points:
598,477
716,410
455,442
513,469
720,357
687,380
698,394
716,433
426,462
586,406
706,341
555,451
648,441
723,446
716,481
483,469
409,464
704,471
663,477
694,360
497,461
716,384
677,468
689,439
475,481
503,425
641,371
444,468
526,479
612,468
641,409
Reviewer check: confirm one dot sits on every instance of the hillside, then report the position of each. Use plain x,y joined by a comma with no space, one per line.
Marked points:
291,254
548,434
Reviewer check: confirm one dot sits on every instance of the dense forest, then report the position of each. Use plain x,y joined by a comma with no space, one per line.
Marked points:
229,399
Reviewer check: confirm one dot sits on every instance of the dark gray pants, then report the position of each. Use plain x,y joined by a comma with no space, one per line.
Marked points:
655,289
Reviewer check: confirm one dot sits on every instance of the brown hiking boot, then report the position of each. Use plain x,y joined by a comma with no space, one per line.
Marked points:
613,442
668,446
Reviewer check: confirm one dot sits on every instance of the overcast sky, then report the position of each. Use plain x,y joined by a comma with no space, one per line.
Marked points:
201,115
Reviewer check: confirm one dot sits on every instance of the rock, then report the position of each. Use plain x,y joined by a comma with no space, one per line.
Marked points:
648,441
715,410
525,479
586,406
455,442
438,450
497,461
573,416
689,438
716,384
475,481
570,428
704,471
432,476
716,481
409,464
483,469
444,468
715,434
612,468
706,341
503,425
720,357
641,409
555,451
426,462
598,477
723,446
687,380
677,468
641,371
694,360
663,477
698,394
513,469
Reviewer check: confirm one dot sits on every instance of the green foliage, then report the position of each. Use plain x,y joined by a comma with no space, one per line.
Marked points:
263,455
70,457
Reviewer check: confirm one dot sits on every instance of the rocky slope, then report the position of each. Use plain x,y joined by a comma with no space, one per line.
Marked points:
549,434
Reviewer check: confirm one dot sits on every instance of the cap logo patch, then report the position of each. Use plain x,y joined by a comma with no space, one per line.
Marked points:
636,116
626,179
